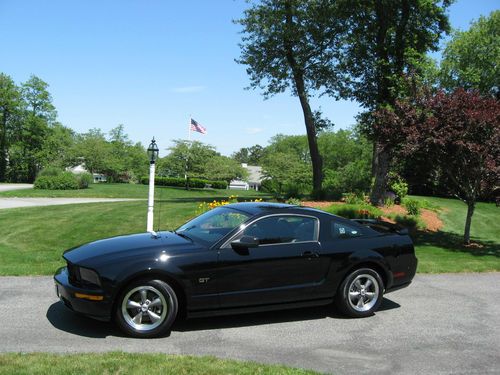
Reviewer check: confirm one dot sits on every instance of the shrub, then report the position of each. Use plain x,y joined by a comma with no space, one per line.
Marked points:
354,198
398,185
353,177
84,180
181,182
218,184
355,211
43,182
62,181
389,202
412,206
294,201
50,171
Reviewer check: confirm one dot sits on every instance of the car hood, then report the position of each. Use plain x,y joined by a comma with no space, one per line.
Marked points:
125,246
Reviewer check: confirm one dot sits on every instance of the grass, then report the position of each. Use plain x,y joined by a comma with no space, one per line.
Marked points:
444,251
127,191
33,239
128,363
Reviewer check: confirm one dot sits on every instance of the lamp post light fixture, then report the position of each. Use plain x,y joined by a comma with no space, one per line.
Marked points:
153,152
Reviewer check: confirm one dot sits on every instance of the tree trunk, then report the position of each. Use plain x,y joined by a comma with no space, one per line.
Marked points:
381,169
381,160
471,204
298,77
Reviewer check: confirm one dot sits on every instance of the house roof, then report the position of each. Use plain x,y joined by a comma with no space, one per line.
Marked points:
254,173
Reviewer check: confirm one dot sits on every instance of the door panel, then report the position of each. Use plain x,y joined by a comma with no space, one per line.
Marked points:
281,269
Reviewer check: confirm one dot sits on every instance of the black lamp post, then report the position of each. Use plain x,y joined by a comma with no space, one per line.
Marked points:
153,152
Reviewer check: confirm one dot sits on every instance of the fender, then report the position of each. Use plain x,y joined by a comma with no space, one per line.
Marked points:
358,258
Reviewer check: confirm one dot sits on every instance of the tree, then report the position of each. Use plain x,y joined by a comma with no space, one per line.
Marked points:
295,145
10,102
93,149
385,41
58,147
287,175
470,59
347,162
222,168
287,44
458,132
249,155
186,159
38,115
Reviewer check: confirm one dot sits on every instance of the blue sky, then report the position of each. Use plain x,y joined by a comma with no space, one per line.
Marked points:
150,64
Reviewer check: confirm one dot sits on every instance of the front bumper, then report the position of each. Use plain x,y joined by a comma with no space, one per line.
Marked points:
67,294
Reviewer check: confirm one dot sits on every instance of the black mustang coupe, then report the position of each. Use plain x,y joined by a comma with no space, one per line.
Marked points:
242,257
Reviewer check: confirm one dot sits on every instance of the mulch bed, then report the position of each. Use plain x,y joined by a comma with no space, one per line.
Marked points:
431,219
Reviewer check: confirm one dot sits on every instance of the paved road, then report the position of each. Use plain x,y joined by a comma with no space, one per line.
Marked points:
7,187
441,324
33,202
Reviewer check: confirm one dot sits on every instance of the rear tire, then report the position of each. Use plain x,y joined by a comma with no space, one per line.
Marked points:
360,294
146,308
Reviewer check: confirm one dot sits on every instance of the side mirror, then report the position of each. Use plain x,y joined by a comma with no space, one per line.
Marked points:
244,243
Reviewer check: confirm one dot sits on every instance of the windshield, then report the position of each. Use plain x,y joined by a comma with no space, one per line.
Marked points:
213,225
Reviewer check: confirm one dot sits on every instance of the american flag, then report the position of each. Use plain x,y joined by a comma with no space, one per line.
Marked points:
196,127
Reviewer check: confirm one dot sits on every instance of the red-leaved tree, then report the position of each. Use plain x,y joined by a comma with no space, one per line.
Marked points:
459,133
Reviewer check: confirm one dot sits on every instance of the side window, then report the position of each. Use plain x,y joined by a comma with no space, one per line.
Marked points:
283,229
341,230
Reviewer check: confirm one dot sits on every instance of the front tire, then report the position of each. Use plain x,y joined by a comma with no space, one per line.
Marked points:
360,294
146,308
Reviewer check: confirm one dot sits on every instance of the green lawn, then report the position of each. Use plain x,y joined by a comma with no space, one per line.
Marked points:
444,252
128,363
33,239
128,191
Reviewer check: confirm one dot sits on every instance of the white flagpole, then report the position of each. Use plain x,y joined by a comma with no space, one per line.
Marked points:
189,146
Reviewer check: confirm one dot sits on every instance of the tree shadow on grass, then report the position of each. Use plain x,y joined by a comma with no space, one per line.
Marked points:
454,242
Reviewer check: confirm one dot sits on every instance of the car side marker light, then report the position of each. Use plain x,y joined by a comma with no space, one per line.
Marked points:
89,296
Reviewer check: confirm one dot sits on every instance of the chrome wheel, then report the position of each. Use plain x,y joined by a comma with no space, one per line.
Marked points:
144,308
363,292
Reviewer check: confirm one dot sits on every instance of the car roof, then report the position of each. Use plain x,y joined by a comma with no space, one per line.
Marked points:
255,208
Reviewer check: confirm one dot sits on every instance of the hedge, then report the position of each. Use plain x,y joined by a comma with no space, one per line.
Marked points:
56,179
181,182
63,181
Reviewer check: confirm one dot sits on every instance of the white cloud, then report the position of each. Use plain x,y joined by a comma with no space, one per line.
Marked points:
253,130
188,89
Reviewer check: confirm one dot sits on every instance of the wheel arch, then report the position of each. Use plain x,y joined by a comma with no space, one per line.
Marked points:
377,266
175,284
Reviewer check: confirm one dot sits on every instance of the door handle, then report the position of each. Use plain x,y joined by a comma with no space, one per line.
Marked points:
310,254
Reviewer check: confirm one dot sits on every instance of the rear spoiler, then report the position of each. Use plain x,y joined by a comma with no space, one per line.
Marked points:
383,226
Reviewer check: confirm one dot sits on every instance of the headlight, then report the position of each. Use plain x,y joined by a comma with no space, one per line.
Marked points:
89,276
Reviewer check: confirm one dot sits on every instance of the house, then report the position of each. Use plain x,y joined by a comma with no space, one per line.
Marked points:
254,179
238,185
80,168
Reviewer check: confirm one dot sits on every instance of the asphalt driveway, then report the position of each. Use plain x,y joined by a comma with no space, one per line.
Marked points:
441,324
